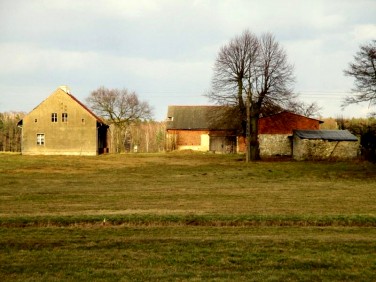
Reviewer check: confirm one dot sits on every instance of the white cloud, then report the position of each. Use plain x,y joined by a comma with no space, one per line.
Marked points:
364,32
30,58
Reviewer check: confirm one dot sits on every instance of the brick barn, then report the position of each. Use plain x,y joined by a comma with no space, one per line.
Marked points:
192,127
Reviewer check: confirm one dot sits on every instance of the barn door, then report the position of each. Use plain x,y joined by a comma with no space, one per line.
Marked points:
223,144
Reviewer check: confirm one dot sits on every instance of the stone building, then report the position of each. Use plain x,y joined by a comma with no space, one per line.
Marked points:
62,125
324,145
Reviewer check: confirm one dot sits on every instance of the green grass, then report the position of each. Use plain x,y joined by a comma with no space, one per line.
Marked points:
181,253
185,216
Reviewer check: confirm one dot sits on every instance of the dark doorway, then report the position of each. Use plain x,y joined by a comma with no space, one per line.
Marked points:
102,138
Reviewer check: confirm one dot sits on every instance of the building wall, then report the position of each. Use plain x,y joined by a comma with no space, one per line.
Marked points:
275,133
270,145
305,149
241,148
200,140
275,145
205,142
77,136
285,123
197,140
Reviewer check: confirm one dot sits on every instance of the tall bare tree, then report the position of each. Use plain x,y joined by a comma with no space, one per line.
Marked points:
120,108
252,74
363,70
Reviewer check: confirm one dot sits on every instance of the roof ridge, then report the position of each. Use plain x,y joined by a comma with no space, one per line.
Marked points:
290,112
85,107
196,106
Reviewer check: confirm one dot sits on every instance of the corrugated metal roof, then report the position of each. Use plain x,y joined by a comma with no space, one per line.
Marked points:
330,135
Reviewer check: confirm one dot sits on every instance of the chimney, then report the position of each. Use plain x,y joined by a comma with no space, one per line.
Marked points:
65,89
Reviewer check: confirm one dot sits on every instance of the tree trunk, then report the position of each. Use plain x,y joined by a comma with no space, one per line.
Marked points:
254,149
248,130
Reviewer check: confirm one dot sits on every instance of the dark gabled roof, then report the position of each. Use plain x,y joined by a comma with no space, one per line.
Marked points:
196,118
330,135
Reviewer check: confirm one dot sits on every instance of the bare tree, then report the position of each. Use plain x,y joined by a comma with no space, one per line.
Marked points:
252,74
363,70
120,108
232,70
301,108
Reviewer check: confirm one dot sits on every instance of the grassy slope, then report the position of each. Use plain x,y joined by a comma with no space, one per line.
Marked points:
185,217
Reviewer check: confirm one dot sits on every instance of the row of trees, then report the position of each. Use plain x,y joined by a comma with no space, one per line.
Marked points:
10,133
146,137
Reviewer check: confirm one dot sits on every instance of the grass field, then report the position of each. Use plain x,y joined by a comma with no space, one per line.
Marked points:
185,217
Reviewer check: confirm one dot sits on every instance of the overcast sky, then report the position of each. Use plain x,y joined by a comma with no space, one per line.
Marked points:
165,50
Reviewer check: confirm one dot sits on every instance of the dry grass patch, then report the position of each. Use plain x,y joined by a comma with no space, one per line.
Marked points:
185,216
182,184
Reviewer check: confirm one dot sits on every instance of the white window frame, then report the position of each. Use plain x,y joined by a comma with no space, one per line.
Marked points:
41,139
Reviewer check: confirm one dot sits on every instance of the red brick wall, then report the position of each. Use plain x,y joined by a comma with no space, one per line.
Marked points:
285,123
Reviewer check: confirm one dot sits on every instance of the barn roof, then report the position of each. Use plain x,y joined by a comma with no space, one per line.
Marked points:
225,118
196,118
330,135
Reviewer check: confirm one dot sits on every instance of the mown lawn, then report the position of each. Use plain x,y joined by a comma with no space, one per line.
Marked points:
185,216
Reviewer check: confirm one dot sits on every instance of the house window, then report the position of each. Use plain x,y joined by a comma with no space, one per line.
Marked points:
83,121
54,117
40,139
64,117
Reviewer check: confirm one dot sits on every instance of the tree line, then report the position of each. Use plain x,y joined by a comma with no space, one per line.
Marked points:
10,133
